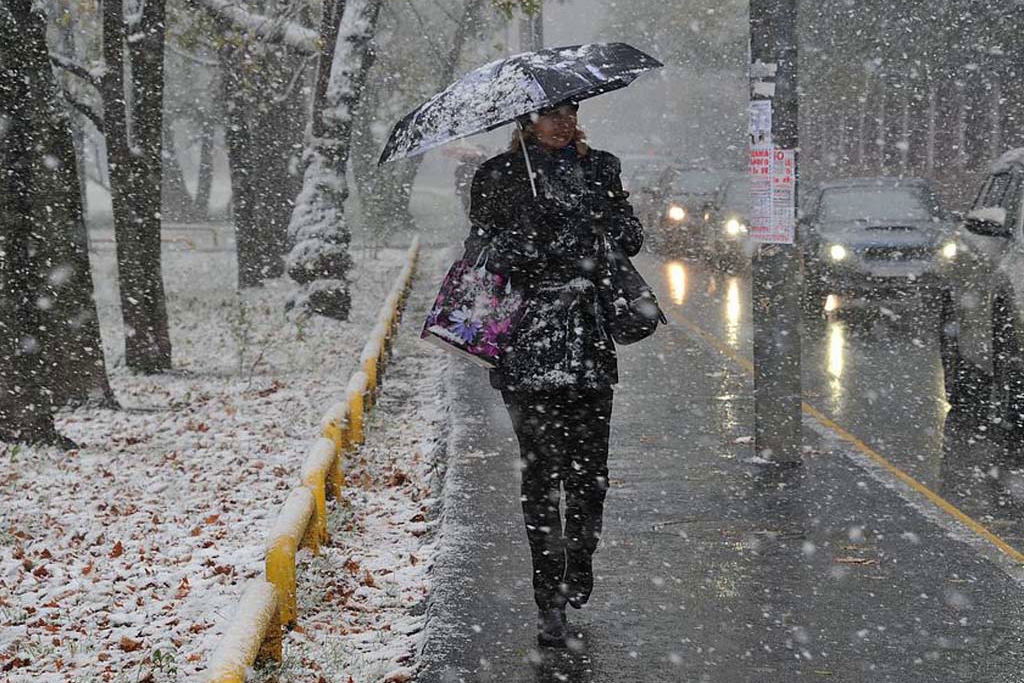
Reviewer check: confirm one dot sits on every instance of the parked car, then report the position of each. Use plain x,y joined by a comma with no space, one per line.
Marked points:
982,314
683,199
726,233
873,240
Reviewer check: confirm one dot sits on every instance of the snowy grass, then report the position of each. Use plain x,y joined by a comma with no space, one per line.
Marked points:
121,560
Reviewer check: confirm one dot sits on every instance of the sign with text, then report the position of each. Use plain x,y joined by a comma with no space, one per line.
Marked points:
772,194
760,125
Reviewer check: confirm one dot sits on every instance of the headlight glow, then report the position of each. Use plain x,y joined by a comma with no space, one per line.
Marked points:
949,250
676,212
734,227
837,252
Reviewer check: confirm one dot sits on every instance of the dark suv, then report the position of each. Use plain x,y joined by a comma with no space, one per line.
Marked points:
683,199
877,240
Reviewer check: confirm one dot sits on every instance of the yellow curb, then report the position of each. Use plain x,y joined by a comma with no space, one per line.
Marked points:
289,529
253,633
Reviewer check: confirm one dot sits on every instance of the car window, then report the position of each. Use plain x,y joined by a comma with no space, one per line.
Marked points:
994,195
696,182
868,204
1011,202
737,195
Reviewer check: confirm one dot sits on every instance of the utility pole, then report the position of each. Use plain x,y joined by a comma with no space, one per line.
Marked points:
776,267
531,29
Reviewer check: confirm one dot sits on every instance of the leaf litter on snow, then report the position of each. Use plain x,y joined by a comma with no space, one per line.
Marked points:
121,560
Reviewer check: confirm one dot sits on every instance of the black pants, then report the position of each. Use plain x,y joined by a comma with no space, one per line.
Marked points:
563,442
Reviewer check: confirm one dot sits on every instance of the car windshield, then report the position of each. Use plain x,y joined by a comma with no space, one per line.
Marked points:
869,204
696,182
737,195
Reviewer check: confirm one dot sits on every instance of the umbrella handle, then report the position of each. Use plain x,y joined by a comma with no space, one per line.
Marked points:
526,155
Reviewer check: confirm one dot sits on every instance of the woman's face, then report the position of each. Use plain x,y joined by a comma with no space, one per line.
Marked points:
556,128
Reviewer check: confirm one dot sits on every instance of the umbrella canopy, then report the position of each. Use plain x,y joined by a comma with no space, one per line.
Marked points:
498,93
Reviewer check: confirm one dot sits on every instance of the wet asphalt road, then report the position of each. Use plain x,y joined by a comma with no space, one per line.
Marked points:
875,371
711,570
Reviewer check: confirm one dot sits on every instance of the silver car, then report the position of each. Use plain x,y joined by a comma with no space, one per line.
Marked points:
874,240
982,314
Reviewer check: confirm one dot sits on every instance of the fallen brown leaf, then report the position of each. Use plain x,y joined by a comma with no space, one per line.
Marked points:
129,645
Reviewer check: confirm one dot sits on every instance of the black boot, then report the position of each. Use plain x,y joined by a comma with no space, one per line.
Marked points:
551,624
579,578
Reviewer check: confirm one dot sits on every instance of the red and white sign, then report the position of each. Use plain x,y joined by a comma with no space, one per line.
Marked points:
772,194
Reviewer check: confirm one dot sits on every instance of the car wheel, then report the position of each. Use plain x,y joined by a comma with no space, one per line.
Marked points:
1007,370
964,385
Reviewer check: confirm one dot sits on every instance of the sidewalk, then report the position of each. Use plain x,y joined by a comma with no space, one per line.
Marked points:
707,571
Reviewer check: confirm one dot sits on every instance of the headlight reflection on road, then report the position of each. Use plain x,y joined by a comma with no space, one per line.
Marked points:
836,349
836,361
677,282
732,312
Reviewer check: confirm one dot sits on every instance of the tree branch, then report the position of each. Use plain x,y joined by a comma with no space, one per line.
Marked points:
441,60
444,10
76,69
84,109
274,30
195,59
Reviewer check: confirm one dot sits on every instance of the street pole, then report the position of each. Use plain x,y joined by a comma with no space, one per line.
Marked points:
531,29
776,268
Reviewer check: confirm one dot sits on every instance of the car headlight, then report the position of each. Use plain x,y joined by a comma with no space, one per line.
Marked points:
676,212
734,227
837,252
949,250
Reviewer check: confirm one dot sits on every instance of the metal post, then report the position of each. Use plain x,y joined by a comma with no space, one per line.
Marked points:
776,267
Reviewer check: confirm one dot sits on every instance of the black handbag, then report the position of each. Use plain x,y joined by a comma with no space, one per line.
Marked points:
630,307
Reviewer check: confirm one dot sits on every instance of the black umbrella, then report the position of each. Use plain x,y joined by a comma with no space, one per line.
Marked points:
500,92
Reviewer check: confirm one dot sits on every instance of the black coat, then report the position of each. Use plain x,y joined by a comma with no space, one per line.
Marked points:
550,248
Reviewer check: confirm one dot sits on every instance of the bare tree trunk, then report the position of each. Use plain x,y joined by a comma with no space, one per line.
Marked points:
961,127
841,144
929,166
904,144
995,142
135,181
264,126
862,128
880,146
204,178
50,347
177,203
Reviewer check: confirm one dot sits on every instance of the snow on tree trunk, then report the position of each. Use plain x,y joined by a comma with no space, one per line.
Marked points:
319,260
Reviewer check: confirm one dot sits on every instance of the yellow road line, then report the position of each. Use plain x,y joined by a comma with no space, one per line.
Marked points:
873,455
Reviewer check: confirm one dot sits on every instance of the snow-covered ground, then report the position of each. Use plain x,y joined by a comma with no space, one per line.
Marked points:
121,561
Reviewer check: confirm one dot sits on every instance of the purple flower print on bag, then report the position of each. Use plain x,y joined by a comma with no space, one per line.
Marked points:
475,312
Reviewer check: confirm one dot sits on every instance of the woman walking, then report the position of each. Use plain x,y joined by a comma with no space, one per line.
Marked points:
556,373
